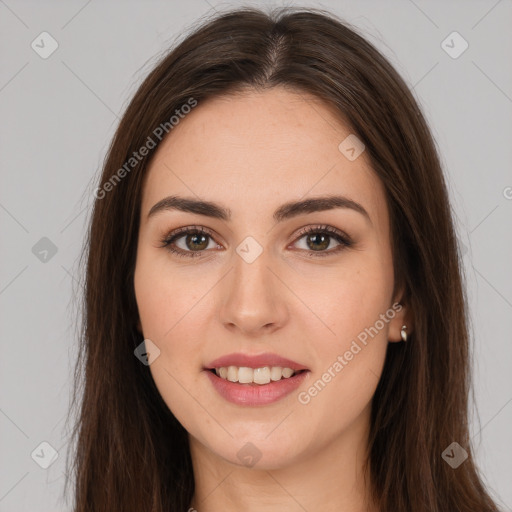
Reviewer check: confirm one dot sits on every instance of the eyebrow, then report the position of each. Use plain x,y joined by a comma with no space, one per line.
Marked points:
284,212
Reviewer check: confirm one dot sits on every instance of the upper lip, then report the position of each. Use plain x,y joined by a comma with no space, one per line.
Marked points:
255,361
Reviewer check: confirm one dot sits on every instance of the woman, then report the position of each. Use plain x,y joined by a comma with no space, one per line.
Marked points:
274,312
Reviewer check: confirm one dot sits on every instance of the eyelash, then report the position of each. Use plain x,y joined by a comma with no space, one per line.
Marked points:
332,232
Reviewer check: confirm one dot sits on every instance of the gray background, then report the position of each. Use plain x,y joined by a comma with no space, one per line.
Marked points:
59,114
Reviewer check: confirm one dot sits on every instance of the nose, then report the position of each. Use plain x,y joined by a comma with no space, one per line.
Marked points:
254,298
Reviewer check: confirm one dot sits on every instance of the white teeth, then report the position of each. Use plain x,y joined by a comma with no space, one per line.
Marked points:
245,375
276,373
261,375
233,374
287,372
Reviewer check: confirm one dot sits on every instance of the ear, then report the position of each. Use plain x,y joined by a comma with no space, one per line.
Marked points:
403,316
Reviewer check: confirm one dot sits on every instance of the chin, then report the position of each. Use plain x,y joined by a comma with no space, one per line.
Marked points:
253,453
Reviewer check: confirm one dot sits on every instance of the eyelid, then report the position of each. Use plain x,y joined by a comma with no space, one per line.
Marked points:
323,228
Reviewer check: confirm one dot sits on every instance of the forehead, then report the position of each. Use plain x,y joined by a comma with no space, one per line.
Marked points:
257,150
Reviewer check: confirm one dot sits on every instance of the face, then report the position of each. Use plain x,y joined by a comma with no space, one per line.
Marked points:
312,284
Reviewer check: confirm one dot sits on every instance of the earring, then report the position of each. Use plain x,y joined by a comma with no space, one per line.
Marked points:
403,333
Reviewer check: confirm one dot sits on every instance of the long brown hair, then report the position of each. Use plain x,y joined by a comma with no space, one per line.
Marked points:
131,452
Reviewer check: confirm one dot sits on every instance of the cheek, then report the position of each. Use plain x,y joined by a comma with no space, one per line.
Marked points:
168,308
353,305
161,304
165,299
345,300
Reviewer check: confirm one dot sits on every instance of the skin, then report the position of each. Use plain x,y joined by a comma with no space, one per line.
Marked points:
252,153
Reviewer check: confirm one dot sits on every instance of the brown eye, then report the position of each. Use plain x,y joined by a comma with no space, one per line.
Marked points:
195,241
318,239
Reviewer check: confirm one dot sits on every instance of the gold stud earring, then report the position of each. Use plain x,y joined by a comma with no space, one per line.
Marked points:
403,333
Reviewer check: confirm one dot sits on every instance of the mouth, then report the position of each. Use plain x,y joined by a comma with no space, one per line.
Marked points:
254,386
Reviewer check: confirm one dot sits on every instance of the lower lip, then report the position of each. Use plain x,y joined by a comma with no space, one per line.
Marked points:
255,394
